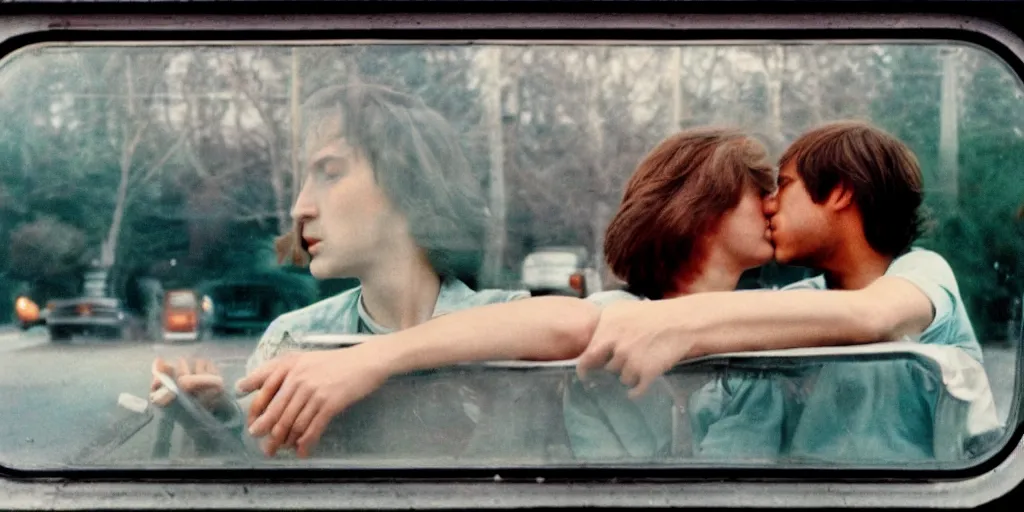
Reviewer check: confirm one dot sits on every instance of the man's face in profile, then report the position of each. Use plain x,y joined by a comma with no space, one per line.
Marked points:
799,226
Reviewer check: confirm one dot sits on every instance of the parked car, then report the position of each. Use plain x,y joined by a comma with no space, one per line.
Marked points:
186,316
248,304
103,316
95,313
560,270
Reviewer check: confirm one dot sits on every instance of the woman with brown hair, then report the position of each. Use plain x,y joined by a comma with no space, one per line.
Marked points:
690,221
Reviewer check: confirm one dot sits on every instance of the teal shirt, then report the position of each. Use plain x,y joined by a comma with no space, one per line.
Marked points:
604,424
887,411
855,412
866,412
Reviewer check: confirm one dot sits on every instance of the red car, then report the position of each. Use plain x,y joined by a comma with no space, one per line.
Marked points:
184,315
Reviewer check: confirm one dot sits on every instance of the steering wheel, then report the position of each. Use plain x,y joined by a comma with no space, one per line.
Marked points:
210,434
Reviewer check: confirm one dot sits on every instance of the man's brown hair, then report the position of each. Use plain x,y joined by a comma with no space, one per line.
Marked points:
881,171
677,193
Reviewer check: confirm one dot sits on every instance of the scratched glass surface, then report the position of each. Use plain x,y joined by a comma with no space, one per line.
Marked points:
142,189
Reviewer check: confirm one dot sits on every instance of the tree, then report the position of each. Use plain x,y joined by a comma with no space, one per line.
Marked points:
48,254
972,188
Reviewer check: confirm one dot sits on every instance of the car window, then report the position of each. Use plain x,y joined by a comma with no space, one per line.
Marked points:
182,300
550,258
132,170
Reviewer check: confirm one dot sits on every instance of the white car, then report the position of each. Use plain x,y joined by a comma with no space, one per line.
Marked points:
560,271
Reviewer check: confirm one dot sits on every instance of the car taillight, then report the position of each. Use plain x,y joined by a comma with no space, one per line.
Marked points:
26,310
181,321
84,310
576,282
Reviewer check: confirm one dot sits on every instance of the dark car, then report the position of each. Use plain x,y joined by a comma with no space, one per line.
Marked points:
247,305
103,316
96,312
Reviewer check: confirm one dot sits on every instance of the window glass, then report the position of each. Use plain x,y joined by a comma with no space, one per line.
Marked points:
182,300
459,176
559,259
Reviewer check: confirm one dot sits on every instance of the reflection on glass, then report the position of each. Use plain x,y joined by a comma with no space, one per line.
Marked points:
142,191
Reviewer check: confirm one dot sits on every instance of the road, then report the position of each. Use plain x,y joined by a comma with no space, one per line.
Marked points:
55,398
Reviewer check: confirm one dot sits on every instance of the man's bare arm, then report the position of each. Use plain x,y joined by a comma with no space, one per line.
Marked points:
642,340
889,308
536,329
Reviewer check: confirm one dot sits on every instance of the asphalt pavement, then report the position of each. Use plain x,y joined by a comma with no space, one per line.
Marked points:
55,397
